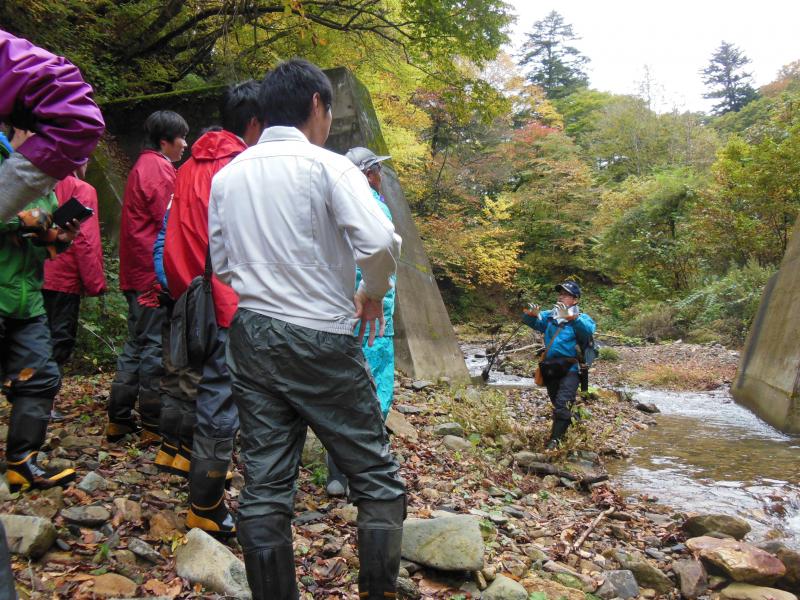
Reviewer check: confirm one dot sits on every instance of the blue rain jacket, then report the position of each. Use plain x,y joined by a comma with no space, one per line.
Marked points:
571,332
380,357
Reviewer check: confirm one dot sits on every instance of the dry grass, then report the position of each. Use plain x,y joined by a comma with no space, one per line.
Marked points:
672,377
480,410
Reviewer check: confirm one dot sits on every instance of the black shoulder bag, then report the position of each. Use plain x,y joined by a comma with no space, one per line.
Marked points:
193,330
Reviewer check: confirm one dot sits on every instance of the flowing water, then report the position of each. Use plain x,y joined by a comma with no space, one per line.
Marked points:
705,454
708,454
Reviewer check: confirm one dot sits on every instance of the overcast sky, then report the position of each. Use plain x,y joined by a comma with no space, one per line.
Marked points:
674,39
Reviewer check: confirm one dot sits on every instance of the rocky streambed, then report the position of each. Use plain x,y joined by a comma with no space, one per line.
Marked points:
490,516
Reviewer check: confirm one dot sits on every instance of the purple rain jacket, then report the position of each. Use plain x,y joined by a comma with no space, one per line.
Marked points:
68,122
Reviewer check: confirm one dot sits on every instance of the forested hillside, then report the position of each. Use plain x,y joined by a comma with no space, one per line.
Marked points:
518,171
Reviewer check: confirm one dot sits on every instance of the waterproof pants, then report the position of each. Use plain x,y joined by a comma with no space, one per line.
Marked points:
178,392
198,401
287,378
30,382
562,394
62,317
139,367
380,358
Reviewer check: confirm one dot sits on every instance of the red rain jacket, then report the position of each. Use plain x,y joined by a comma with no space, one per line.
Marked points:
147,194
186,242
79,269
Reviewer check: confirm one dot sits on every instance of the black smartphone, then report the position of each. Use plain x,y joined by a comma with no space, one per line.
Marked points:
71,209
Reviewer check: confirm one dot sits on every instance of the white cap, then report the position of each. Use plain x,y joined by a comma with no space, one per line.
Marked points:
364,158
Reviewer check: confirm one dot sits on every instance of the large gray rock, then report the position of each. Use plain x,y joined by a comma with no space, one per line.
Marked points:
92,482
144,550
618,584
28,536
692,577
87,516
313,450
443,429
647,576
745,591
446,543
527,459
456,443
204,560
504,588
742,562
736,527
399,425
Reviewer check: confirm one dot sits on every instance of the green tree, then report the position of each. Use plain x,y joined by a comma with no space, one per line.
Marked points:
630,139
552,63
144,46
644,232
727,80
749,211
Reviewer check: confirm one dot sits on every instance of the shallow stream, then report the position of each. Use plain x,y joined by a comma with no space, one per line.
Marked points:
708,454
705,454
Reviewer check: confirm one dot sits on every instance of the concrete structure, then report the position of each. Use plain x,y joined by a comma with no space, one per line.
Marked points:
768,379
425,345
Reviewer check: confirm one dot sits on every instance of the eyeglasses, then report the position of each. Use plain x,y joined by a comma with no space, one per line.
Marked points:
376,168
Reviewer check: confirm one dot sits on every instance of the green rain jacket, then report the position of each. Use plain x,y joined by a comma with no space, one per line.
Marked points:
22,265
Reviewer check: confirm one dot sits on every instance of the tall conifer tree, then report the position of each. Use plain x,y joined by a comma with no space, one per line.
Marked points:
551,62
727,80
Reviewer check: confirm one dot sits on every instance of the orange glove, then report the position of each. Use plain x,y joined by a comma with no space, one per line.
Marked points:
34,222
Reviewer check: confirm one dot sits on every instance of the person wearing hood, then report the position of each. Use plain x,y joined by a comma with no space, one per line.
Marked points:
198,428
46,94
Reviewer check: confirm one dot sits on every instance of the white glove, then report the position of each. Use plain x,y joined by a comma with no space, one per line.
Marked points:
561,310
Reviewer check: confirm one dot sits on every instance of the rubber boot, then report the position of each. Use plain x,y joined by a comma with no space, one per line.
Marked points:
165,456
169,420
560,427
337,481
207,509
269,557
209,470
124,392
182,463
27,428
7,588
150,414
380,537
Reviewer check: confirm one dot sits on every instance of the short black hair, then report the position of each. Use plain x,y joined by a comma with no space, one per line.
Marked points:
287,90
163,125
239,104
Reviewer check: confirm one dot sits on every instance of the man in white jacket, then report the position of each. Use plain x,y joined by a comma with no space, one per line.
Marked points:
288,222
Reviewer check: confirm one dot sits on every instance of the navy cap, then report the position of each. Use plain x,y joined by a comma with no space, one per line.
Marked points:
572,288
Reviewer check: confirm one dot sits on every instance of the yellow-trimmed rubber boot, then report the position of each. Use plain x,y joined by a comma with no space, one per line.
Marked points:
207,509
148,438
165,457
182,463
25,474
116,431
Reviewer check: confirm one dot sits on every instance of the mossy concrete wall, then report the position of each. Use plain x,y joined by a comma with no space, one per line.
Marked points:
768,379
425,345
120,146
